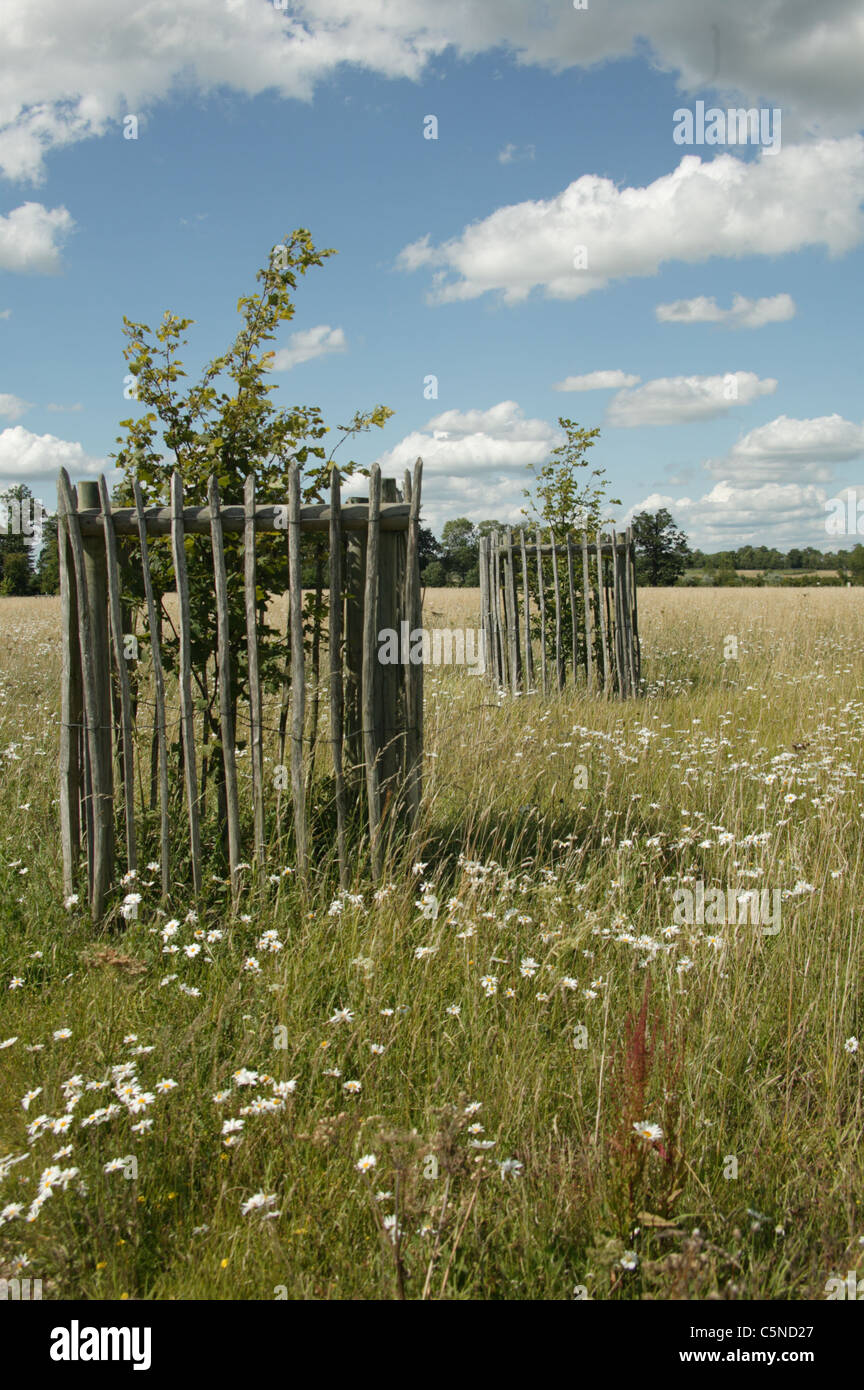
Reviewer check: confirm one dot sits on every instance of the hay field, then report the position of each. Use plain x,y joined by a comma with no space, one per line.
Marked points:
551,1089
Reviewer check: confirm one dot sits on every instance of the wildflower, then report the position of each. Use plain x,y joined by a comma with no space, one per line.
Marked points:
851,1045
192,950
510,1165
376,1049
31,1095
342,1016
476,1129
270,942
62,1033
141,1127
648,1131
17,982
257,1201
251,964
489,985
421,952
629,1260
528,968
232,1126
140,1102
353,1088
454,1010
7,1043
129,906
365,1163
472,1107
285,1088
244,1077
71,901
116,1165
166,1084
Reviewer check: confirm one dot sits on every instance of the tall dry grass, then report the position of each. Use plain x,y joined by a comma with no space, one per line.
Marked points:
550,1008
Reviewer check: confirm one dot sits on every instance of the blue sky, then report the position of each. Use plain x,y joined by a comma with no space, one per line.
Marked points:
710,326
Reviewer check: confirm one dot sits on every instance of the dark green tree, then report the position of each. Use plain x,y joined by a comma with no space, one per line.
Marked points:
16,540
662,550
48,564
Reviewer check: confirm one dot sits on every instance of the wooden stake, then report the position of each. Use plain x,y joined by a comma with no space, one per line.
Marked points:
413,673
120,661
616,611
511,614
389,678
526,593
559,665
634,616
589,615
572,588
71,712
90,587
298,672
256,748
337,703
370,655
159,692
542,596
601,605
187,709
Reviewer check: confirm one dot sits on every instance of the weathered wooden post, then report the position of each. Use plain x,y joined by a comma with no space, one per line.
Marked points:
388,678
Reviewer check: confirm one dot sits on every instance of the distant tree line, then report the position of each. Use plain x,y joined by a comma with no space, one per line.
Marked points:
663,557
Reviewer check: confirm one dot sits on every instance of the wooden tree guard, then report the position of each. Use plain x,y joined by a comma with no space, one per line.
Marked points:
376,709
603,629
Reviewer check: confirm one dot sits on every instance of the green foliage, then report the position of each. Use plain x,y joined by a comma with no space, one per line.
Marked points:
662,551
567,502
228,425
16,557
48,564
562,497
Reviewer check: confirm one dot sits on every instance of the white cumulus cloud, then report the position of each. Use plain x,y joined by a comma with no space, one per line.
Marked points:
597,381
25,456
595,232
12,407
308,344
71,72
806,449
675,400
30,239
474,461
744,313
778,514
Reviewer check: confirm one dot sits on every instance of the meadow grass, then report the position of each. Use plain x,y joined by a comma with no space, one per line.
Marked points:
499,1059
